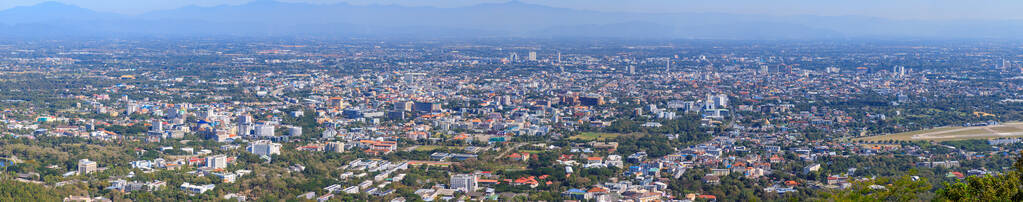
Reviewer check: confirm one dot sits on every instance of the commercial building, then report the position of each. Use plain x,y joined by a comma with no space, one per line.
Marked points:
264,148
464,182
85,166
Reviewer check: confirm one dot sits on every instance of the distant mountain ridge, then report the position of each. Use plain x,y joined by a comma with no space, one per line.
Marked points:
510,19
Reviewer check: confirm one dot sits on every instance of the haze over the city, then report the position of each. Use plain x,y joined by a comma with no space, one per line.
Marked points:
730,19
908,9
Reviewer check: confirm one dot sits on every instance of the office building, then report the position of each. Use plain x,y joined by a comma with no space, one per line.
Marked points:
264,148
216,162
464,182
265,130
337,147
85,166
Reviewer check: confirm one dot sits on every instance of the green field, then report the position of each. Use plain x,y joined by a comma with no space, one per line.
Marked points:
433,147
530,151
590,136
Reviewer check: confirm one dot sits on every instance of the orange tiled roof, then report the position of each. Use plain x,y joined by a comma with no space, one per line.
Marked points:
597,190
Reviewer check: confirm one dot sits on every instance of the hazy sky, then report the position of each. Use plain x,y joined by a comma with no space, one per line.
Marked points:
898,9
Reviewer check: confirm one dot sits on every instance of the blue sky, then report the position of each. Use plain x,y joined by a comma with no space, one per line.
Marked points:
895,9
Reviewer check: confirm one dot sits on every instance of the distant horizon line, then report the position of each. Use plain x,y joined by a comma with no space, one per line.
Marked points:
505,2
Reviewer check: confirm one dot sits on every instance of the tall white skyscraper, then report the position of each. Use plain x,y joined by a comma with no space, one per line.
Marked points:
898,71
532,55
667,67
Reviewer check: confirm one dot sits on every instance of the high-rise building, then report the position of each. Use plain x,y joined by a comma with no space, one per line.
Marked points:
1006,64
898,71
130,108
709,102
464,182
265,130
245,129
667,66
337,147
532,55
264,148
216,162
329,133
244,119
506,100
295,131
722,100
427,106
85,166
403,106
157,125
715,101
591,100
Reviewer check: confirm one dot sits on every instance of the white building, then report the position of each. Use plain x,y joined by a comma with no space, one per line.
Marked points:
337,147
265,130
199,189
85,166
295,131
157,125
264,148
464,182
216,162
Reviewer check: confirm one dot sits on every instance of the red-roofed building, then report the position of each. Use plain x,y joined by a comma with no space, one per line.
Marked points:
519,156
531,181
597,190
791,183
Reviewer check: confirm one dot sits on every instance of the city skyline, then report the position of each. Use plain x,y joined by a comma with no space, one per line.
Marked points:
522,100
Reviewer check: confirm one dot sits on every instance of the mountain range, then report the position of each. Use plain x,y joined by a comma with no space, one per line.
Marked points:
510,19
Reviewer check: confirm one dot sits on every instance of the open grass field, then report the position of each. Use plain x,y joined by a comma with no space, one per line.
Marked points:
954,133
531,151
590,136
